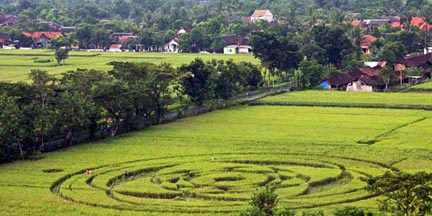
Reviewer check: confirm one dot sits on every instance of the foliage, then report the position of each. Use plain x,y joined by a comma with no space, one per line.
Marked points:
414,71
312,73
264,203
405,194
350,211
61,55
388,76
276,49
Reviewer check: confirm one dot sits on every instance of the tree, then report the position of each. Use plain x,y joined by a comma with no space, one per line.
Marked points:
61,55
298,77
278,50
388,76
335,43
263,202
114,97
405,194
44,86
59,42
10,129
414,71
312,73
392,52
198,81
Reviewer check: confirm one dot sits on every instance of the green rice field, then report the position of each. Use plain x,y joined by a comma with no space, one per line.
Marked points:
422,87
352,99
16,64
318,158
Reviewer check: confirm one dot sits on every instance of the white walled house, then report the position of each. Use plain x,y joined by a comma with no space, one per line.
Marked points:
172,45
237,49
262,15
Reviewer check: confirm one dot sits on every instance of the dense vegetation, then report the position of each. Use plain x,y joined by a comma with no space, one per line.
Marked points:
85,104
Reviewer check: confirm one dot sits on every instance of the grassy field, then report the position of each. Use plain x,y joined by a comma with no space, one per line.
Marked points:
211,164
422,87
352,99
16,64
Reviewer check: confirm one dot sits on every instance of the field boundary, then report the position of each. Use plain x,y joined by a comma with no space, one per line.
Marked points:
344,105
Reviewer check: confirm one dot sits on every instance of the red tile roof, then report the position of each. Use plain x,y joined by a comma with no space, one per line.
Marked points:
417,21
383,64
38,35
426,27
260,13
124,38
397,25
367,40
115,46
356,23
247,19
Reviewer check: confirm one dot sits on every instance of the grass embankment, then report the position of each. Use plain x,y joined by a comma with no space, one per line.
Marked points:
425,87
211,164
16,64
351,99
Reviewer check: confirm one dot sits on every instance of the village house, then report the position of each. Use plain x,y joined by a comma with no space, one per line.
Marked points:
362,79
236,44
260,15
42,39
172,44
422,61
366,43
115,37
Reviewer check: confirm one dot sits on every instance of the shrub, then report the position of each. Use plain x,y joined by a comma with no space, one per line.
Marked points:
315,213
350,211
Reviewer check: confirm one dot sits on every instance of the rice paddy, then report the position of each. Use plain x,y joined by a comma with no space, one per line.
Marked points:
16,64
317,157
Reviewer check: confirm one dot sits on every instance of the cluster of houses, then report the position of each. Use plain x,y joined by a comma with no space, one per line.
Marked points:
394,22
369,78
234,44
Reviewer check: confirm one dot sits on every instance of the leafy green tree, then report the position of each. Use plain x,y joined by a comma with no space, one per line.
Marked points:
392,52
11,129
414,71
388,76
198,81
72,114
44,86
312,73
61,55
263,202
335,43
59,42
275,50
114,97
405,194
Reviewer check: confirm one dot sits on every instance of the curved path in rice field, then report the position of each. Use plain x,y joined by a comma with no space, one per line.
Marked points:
219,183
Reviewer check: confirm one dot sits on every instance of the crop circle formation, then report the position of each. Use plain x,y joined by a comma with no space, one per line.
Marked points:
220,183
